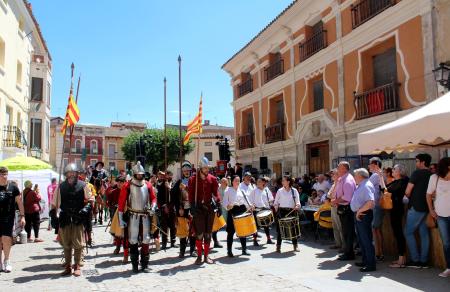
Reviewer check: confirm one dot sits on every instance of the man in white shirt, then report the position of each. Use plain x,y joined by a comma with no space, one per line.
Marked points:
261,198
246,185
322,184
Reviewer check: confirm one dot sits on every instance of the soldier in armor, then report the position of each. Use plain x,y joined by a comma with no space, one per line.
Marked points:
137,205
74,200
181,196
166,203
203,187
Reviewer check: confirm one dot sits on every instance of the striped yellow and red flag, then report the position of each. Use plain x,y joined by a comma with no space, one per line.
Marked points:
72,115
194,126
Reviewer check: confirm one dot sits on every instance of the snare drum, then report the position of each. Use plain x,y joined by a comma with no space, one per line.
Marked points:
289,228
244,224
219,223
182,227
264,218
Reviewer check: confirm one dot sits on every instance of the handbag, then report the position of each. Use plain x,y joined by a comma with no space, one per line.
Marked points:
386,201
430,221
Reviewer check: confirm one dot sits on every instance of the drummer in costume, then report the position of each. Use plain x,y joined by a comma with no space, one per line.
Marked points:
237,203
112,201
181,196
139,199
246,184
99,178
166,203
74,200
202,188
261,197
287,202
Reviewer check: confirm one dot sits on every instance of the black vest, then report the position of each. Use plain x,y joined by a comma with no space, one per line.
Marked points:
72,200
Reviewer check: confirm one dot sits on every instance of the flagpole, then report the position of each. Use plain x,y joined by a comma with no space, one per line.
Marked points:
198,166
73,126
179,110
72,67
165,126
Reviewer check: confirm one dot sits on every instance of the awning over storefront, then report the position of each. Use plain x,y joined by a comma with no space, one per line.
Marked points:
427,127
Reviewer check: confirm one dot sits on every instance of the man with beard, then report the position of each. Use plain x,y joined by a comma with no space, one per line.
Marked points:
203,187
181,197
166,203
138,200
74,200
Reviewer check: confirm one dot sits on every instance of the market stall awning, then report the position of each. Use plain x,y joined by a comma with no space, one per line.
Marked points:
424,128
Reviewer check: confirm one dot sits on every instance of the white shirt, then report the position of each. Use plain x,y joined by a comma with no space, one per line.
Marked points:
261,198
323,186
246,188
235,198
284,199
442,200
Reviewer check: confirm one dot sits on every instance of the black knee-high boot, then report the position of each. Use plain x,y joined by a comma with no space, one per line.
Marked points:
243,241
134,257
183,244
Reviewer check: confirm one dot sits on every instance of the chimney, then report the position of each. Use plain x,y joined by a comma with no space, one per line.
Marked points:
206,123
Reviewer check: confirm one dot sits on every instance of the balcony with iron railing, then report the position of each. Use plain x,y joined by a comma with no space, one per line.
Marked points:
377,101
313,44
364,10
274,133
274,70
246,141
14,137
245,87
93,151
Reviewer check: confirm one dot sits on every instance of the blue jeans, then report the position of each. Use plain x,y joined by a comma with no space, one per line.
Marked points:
416,220
444,229
364,233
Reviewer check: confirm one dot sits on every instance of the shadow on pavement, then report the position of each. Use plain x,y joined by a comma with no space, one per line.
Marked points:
108,264
36,277
57,255
230,261
174,270
109,276
165,261
43,267
277,255
332,265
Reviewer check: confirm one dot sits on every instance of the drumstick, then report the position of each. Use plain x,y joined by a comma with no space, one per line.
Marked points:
289,213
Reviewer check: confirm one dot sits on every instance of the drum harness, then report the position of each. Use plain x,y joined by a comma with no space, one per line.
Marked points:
293,198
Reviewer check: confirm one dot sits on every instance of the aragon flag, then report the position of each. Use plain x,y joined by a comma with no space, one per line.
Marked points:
72,115
194,126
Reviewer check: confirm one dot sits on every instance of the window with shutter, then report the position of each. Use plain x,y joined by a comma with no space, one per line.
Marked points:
384,68
280,111
36,89
318,95
249,123
36,133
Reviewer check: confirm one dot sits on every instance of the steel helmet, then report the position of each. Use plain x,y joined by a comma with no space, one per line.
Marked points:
138,169
186,165
204,162
71,167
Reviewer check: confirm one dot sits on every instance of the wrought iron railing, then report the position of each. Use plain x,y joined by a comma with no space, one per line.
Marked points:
274,133
245,87
14,137
364,10
246,141
377,101
274,70
312,45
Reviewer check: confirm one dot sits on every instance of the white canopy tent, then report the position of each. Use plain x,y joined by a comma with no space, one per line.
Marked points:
41,177
427,127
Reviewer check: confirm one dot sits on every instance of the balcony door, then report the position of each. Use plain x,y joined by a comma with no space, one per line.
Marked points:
249,123
384,68
279,112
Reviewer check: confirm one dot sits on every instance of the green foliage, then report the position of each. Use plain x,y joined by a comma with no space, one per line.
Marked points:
153,140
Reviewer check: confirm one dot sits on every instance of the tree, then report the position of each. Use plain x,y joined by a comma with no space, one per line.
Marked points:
153,142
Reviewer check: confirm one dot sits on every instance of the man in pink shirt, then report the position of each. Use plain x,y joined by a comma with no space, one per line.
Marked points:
50,191
344,192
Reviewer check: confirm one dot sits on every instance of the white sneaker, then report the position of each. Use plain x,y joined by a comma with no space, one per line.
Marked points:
445,273
7,268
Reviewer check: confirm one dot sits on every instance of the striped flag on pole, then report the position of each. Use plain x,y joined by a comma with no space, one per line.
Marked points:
194,126
72,115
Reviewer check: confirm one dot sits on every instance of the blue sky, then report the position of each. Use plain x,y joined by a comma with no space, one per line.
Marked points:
124,49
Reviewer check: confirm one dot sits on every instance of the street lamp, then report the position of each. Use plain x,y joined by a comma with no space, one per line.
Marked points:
36,152
442,75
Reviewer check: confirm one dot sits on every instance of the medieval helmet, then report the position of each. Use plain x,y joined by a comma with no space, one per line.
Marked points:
186,165
138,169
204,162
71,167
